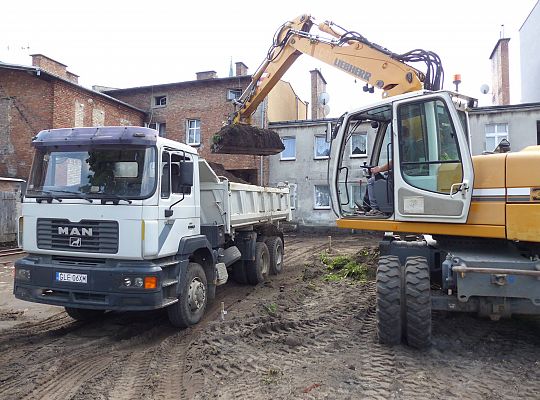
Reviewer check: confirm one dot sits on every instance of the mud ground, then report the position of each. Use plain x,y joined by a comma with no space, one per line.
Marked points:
295,337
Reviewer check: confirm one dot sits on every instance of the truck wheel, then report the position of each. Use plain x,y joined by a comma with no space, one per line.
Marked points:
275,248
192,299
389,300
83,314
257,270
418,300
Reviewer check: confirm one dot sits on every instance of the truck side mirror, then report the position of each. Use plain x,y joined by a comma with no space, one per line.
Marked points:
185,174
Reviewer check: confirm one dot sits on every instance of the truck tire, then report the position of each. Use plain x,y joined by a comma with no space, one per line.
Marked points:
275,248
418,301
389,300
192,300
83,314
257,270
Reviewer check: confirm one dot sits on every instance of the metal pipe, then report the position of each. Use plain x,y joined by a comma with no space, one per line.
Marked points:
495,271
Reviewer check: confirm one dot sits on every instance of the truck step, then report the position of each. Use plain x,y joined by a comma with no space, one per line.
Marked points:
168,301
168,263
169,282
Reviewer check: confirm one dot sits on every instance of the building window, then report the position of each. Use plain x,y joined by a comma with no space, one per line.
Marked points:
233,94
359,144
158,126
193,136
160,101
292,195
290,148
494,134
322,147
322,197
357,191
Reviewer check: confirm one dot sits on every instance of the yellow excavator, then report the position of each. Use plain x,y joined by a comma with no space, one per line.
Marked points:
470,226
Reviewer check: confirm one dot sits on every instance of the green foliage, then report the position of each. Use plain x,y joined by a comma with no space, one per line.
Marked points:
343,267
272,376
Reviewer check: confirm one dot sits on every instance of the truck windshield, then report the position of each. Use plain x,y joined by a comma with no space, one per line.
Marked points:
93,172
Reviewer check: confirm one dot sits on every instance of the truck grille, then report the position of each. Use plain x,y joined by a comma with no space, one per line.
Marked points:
85,236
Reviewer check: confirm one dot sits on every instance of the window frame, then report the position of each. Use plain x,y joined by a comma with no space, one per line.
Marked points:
293,158
317,207
190,129
315,156
362,155
158,127
496,135
426,138
230,91
156,101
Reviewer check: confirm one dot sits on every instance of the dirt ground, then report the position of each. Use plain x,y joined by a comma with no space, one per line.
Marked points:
295,337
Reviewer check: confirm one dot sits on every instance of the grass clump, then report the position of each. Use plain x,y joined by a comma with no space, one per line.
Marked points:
343,267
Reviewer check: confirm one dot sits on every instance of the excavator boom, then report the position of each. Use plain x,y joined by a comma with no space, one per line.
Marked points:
345,50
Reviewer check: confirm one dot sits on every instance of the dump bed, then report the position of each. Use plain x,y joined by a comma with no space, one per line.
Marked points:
237,205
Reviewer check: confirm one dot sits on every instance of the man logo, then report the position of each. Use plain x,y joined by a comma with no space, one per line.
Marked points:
75,242
64,230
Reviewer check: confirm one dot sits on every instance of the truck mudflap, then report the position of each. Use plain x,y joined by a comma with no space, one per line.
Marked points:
97,284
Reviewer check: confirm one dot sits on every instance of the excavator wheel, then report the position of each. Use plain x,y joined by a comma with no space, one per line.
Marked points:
418,300
389,300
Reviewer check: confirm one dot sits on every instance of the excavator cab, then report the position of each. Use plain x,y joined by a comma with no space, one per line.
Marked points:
422,141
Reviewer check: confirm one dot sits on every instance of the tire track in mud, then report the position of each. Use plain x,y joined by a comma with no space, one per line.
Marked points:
125,356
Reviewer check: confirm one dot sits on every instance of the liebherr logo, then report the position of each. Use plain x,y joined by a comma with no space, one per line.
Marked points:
64,230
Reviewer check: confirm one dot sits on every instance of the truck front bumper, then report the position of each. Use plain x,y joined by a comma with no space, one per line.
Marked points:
102,284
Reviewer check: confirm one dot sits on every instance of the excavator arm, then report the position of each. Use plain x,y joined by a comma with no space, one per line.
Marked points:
344,50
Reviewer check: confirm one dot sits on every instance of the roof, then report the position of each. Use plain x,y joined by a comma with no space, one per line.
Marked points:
39,72
507,107
184,83
497,45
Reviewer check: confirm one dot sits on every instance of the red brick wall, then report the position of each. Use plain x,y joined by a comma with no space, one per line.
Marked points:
25,109
29,104
205,100
67,97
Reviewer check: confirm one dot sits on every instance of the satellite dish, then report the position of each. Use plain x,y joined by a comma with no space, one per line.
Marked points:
326,110
324,98
484,89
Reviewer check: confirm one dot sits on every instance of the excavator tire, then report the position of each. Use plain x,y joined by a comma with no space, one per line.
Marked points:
246,139
418,300
389,300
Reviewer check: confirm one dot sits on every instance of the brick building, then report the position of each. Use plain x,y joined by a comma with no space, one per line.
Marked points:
44,96
193,111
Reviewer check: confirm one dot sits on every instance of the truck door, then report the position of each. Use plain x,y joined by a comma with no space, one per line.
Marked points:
178,214
433,173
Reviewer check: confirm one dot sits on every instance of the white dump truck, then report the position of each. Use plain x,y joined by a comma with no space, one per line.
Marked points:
118,218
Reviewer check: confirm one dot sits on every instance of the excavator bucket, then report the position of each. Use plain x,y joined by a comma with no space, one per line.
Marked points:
246,139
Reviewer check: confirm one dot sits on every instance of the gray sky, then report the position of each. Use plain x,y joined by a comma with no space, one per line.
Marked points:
133,43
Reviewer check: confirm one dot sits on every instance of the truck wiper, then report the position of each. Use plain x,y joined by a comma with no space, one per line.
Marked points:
76,194
114,198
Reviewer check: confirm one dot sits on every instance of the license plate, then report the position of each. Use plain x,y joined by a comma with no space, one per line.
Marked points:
69,277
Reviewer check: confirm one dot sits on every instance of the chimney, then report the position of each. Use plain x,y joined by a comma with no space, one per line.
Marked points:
206,75
241,69
53,67
318,86
500,73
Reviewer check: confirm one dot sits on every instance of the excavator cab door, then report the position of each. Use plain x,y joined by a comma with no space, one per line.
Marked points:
433,172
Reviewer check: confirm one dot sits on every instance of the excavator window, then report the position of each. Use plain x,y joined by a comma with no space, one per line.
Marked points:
428,147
